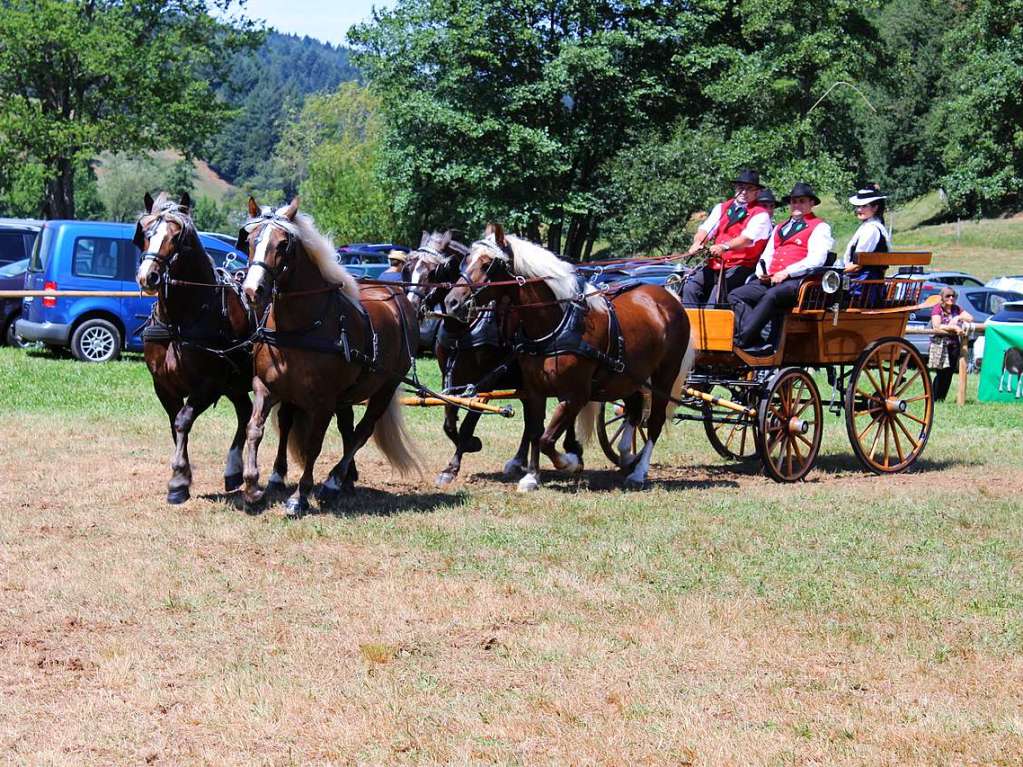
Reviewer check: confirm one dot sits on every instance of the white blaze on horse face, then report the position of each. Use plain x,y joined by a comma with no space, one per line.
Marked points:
254,277
155,243
418,276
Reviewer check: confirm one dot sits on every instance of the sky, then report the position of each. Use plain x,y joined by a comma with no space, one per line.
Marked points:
326,20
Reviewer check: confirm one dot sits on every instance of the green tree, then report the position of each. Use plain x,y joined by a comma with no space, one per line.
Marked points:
209,216
123,182
79,77
179,178
976,126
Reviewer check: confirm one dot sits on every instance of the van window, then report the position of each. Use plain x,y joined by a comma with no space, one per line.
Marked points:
97,257
41,250
12,247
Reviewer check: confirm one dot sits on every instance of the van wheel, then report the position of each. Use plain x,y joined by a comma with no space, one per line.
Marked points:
96,340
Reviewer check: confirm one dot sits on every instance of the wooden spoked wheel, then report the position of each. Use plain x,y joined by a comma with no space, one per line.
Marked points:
611,423
732,435
889,408
790,425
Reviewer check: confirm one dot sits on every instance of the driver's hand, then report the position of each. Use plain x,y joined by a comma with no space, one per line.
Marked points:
717,250
850,268
779,277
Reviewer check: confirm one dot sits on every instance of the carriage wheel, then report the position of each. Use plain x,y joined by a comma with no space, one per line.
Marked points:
733,435
610,425
790,424
888,406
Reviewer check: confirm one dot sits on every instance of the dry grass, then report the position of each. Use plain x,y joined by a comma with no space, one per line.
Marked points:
714,619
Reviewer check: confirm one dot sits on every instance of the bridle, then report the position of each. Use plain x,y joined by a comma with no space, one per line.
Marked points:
265,225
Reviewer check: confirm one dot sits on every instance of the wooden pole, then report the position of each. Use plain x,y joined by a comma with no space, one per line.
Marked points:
70,294
961,393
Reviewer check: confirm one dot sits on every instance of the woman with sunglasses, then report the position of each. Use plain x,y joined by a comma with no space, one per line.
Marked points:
948,319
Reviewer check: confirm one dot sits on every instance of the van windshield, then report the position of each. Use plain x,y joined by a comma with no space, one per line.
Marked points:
41,250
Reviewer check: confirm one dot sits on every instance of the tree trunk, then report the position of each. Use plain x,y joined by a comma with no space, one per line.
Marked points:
60,190
554,236
588,250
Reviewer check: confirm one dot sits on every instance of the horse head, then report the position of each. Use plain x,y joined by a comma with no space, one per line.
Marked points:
438,259
160,234
489,259
268,237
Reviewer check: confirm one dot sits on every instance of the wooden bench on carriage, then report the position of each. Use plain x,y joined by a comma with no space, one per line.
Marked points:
770,408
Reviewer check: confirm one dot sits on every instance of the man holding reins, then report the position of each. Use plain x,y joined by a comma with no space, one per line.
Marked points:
800,244
738,229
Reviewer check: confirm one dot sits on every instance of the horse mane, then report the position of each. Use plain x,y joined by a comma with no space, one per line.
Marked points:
320,250
534,261
165,207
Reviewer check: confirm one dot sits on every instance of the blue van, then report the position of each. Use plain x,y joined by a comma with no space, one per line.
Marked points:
93,255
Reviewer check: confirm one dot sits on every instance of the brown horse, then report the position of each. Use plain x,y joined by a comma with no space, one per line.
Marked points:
578,346
325,344
476,354
195,341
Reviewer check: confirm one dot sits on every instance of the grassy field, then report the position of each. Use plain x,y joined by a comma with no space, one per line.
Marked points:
715,618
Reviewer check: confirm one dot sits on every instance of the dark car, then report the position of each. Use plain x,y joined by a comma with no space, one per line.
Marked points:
366,259
648,274
17,235
959,279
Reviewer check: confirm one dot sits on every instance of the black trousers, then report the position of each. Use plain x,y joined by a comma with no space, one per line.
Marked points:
943,378
701,287
757,303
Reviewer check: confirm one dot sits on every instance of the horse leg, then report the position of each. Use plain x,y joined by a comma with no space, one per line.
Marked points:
376,405
638,476
233,465
313,428
633,419
346,426
534,413
262,402
451,423
513,467
467,443
562,418
285,418
172,405
181,479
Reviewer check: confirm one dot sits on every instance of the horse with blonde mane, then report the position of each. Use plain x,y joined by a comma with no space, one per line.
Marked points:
325,344
580,346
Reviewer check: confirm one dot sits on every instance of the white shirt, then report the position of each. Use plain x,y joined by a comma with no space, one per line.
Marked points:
865,240
757,228
817,247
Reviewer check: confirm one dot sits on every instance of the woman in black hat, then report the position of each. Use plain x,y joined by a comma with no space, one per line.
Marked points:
738,229
870,237
797,246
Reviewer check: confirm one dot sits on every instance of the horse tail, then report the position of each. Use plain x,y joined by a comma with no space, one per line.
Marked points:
680,380
296,436
393,440
586,422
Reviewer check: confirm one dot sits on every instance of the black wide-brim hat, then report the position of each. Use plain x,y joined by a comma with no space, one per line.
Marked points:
748,177
767,195
801,189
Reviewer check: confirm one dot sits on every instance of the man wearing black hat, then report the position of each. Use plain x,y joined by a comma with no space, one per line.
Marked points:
797,246
739,229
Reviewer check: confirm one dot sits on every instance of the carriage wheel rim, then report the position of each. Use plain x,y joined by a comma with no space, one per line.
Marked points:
791,416
889,407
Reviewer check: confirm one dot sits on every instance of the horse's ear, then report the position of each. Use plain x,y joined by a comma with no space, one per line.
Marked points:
140,238
445,240
498,233
424,239
292,210
254,209
186,203
148,200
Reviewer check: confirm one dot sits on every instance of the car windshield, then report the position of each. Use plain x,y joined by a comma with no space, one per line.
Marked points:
996,301
14,269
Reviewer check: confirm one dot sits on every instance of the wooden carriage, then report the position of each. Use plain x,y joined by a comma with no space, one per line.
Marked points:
770,407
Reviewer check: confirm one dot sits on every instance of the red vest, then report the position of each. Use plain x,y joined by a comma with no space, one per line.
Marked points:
793,248
726,232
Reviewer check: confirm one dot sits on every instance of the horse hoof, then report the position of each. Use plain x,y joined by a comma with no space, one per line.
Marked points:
327,495
635,484
232,482
296,507
275,486
178,495
473,445
571,463
445,478
528,484
252,497
513,469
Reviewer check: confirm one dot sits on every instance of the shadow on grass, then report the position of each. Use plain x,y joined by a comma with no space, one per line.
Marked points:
607,480
845,463
365,501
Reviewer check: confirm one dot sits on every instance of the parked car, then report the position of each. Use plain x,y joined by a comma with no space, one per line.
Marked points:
17,236
981,302
649,274
91,255
1011,311
943,278
1013,282
364,259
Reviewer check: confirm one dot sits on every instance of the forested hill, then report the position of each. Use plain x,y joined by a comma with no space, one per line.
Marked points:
269,85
